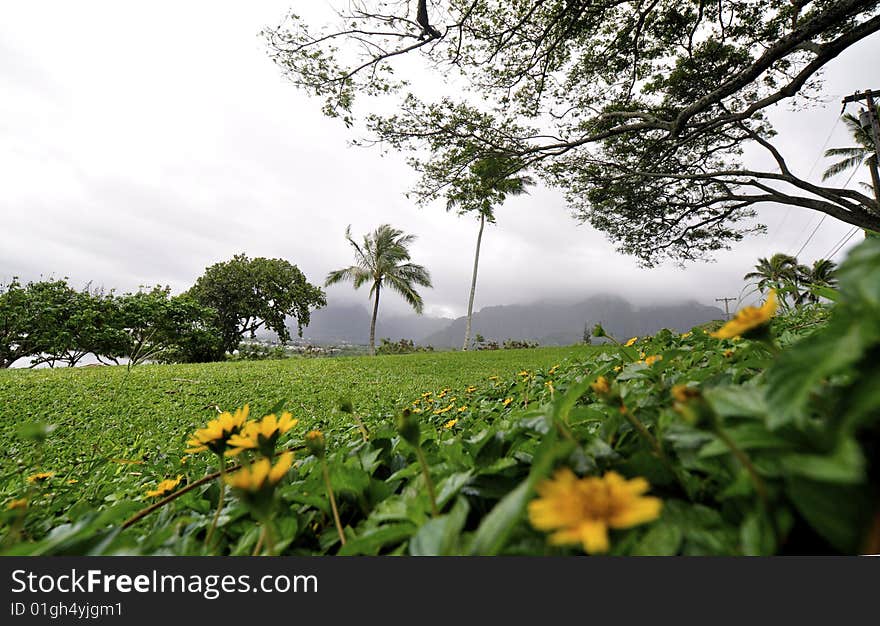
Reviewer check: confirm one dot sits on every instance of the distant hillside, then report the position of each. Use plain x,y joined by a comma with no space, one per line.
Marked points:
550,324
351,323
563,324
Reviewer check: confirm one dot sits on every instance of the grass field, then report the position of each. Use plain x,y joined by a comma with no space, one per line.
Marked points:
136,423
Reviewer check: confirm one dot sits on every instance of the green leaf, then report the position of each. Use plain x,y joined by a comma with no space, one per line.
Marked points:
859,275
497,525
662,539
737,401
750,436
373,540
345,478
845,465
839,513
562,406
451,485
757,535
440,536
828,293
799,370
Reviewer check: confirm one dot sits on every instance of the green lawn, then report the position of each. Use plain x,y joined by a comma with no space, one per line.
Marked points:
147,414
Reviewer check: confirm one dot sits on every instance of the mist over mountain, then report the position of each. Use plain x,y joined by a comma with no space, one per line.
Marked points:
350,323
552,324
548,323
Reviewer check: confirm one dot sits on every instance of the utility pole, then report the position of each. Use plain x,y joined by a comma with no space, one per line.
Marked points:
868,120
726,306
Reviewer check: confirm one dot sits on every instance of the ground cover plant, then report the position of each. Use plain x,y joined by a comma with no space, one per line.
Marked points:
759,436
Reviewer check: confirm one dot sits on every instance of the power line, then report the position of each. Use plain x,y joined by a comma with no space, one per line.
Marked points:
803,230
796,254
853,232
824,145
810,173
845,185
833,248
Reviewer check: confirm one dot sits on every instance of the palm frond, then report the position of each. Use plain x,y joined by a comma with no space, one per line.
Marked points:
405,289
353,273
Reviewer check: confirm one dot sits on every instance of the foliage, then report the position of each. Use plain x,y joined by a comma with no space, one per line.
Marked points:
796,284
249,294
160,327
639,111
853,156
508,344
13,323
753,446
818,281
50,322
404,346
383,259
248,351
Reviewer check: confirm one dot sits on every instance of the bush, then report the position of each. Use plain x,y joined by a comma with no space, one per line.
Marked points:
248,351
404,346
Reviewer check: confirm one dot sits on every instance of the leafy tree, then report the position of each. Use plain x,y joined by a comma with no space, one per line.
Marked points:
486,185
249,294
14,323
383,260
854,156
65,325
822,274
80,323
157,326
779,272
638,110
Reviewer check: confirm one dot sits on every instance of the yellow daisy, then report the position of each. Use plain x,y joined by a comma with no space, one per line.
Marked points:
165,487
600,385
216,433
262,435
40,477
261,474
581,510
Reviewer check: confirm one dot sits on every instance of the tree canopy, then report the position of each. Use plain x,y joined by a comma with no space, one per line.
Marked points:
639,110
249,294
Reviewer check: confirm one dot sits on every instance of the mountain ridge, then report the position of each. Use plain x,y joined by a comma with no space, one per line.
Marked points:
548,323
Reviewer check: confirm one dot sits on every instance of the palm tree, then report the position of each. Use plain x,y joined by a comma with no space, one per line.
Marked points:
779,272
822,274
491,180
854,156
383,260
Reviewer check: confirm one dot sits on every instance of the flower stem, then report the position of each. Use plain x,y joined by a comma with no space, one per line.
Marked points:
327,484
269,537
219,503
642,430
260,541
746,462
428,482
362,427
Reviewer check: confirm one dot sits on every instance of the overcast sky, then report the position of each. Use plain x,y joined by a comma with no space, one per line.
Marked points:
140,143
